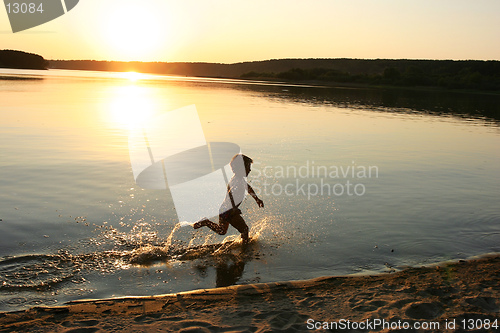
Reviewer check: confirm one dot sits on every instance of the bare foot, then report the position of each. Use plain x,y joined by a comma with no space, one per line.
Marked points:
200,223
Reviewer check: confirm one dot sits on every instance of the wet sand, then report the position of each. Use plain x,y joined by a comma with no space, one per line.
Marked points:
465,292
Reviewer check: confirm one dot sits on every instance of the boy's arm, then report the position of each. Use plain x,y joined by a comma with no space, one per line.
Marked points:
259,202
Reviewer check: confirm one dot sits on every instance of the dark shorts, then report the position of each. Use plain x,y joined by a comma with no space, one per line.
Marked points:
233,217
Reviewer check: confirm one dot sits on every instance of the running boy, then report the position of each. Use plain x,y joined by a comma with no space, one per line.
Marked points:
229,213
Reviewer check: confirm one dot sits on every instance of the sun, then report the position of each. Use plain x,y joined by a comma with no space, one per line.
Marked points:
134,31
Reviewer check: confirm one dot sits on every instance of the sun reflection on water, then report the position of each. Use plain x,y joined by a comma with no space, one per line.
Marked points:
132,76
132,107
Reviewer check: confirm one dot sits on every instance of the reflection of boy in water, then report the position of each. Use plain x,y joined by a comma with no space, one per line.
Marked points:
229,212
228,273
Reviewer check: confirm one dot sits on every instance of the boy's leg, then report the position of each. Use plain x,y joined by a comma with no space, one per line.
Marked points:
220,228
239,223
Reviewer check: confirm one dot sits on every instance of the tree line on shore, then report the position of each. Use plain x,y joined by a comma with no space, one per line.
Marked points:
21,60
450,74
474,75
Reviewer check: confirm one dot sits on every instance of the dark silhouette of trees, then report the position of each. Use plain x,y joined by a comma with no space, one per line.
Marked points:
392,74
21,60
448,74
470,74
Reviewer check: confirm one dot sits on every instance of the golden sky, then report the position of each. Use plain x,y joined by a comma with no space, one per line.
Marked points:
231,31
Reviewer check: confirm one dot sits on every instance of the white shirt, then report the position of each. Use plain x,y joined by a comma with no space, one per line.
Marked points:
238,188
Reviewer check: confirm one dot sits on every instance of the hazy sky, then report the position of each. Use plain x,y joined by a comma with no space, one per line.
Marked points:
239,30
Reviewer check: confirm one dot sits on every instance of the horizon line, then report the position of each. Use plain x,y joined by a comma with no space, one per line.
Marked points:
273,59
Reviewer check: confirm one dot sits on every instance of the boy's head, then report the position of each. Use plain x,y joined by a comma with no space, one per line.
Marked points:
241,165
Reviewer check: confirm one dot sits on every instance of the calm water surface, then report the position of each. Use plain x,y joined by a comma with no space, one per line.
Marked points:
353,180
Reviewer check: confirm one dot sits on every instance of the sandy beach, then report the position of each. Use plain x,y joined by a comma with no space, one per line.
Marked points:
439,298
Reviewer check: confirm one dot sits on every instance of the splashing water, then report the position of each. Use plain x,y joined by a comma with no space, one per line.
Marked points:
258,227
139,248
186,224
168,243
200,245
148,254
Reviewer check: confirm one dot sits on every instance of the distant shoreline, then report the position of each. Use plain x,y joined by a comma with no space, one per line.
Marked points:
22,60
430,75
311,83
316,83
333,84
469,76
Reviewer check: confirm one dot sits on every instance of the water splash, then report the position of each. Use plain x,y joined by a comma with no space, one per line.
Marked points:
258,227
149,254
186,224
138,247
227,243
194,239
168,243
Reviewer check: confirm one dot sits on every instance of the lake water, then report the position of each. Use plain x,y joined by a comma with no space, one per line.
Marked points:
354,181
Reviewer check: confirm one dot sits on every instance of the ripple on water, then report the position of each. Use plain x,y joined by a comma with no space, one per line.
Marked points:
35,271
16,301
